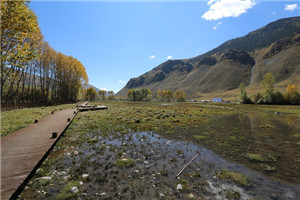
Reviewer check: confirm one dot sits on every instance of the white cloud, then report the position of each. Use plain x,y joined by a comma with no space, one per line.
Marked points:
151,57
216,26
227,8
169,57
291,7
120,81
103,88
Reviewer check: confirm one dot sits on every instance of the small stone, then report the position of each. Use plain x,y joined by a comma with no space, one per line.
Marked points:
191,196
179,187
63,173
84,175
136,171
44,178
161,195
80,182
146,162
75,153
102,194
74,190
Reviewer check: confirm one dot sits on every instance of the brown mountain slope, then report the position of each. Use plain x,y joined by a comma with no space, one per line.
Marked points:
221,72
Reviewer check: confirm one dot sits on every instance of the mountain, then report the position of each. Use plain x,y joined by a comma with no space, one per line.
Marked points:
273,48
88,86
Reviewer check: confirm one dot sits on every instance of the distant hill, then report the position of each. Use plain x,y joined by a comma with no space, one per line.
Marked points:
88,86
273,48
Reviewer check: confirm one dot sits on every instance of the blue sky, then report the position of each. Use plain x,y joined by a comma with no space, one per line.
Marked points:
119,40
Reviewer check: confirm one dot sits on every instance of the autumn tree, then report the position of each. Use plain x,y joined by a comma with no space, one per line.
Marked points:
111,95
19,30
291,96
243,97
143,94
159,95
102,94
91,94
179,96
268,85
32,71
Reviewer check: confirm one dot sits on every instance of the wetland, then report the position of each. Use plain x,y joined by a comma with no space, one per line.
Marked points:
134,150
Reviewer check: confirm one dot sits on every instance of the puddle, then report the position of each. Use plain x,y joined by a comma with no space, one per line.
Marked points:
236,137
158,160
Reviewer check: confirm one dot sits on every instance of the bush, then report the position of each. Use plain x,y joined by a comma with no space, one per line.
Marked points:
256,97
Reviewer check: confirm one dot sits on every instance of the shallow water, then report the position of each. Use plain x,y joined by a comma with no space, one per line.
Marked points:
274,136
158,154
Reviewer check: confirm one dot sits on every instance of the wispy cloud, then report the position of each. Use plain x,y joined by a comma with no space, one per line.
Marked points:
120,81
216,26
291,7
227,8
103,88
274,13
169,57
151,57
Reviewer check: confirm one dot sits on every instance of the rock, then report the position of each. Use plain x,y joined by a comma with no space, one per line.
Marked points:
136,171
74,190
80,182
102,194
63,173
191,196
84,175
44,178
179,187
161,195
75,153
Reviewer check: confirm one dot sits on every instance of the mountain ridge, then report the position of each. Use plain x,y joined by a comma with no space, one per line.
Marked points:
235,60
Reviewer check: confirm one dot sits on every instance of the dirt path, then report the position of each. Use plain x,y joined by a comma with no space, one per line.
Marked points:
24,149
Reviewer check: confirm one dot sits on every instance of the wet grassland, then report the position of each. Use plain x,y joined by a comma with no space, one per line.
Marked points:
135,150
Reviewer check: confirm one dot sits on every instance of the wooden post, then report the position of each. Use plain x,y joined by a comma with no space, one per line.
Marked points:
54,134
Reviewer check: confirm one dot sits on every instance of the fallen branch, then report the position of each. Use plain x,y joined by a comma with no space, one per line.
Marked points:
187,165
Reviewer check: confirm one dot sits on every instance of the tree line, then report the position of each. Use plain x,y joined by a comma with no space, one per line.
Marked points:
270,96
145,94
90,94
31,70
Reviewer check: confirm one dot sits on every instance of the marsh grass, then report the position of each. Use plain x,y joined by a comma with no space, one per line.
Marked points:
125,162
236,177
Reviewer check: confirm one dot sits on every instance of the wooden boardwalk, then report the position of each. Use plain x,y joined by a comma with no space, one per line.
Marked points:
24,150
85,107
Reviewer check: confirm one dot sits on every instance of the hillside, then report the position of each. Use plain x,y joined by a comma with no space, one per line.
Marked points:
88,86
273,48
